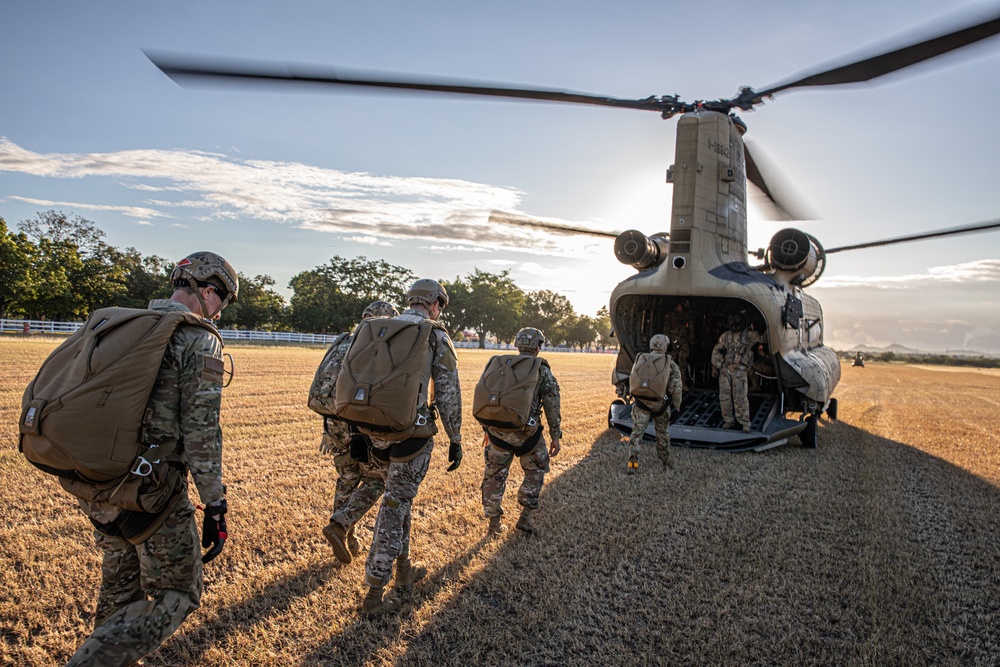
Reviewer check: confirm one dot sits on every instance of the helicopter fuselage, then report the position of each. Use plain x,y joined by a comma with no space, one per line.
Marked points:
699,272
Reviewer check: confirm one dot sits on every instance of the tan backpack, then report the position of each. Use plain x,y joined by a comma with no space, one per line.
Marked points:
82,414
323,391
650,375
505,392
385,378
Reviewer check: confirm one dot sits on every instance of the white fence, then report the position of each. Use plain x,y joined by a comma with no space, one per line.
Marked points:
46,327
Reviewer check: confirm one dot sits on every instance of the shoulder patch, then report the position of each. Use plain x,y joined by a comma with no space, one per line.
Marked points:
211,368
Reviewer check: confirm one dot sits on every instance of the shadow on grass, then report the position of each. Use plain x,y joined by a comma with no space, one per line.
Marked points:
864,551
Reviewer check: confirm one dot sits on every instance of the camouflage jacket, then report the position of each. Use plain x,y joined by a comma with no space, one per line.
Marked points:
183,408
547,399
325,381
447,391
735,349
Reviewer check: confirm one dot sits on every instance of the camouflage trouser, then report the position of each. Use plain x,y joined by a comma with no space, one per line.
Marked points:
392,527
367,493
147,590
337,442
534,464
640,420
733,394
680,354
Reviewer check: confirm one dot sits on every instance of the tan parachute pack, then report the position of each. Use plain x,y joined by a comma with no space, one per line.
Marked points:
385,378
323,391
650,375
82,414
506,391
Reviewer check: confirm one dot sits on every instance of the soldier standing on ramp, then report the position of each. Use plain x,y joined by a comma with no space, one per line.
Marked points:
372,393
732,357
655,385
145,524
360,478
508,433
678,330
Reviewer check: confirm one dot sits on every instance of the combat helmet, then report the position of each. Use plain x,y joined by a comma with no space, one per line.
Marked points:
529,339
426,291
659,342
199,268
379,309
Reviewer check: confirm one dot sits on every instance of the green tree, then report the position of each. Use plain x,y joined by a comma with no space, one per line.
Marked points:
147,278
603,324
258,307
488,303
332,297
15,267
550,312
582,331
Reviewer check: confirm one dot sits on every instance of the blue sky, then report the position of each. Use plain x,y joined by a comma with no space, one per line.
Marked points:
279,182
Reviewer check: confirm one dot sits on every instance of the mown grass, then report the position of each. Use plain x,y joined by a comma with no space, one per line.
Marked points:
879,548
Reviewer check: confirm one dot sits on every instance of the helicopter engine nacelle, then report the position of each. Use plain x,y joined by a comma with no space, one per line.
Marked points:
797,256
634,248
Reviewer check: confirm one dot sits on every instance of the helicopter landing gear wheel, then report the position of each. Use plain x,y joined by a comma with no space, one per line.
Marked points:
611,410
831,410
808,435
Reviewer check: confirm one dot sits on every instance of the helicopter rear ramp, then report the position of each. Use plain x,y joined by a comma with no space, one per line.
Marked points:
700,423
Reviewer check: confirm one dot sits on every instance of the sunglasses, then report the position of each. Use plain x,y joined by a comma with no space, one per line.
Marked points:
225,296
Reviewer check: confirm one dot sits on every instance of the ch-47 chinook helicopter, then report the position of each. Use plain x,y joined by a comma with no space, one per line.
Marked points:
700,265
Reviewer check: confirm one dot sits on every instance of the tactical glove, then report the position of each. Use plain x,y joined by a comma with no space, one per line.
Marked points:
454,455
214,530
359,448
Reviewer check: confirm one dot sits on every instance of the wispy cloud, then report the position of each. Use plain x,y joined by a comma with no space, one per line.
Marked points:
130,211
214,186
980,271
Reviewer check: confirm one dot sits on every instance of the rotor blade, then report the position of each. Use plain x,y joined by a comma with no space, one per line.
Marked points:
966,229
180,68
503,218
886,63
781,202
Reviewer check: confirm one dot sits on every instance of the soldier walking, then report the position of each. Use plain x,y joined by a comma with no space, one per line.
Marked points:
732,357
527,443
678,330
408,459
657,396
360,477
152,566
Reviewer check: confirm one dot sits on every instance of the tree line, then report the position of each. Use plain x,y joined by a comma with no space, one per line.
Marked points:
58,267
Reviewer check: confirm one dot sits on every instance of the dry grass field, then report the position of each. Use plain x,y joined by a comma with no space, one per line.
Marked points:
881,547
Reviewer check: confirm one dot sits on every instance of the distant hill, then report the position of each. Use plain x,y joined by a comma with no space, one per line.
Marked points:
896,348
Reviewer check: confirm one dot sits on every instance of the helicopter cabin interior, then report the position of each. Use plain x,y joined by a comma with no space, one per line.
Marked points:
639,317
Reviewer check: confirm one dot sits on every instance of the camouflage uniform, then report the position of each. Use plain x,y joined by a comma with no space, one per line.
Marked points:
362,483
148,589
392,527
534,463
678,327
640,417
732,356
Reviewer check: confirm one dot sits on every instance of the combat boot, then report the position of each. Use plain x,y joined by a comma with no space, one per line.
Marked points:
633,465
524,522
728,425
352,542
336,535
373,604
408,573
668,463
746,428
496,527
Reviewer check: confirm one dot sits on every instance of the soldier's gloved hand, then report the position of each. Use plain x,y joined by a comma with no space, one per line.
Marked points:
359,448
214,530
454,455
715,372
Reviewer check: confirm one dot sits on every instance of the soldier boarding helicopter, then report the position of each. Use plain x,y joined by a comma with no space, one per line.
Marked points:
700,265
